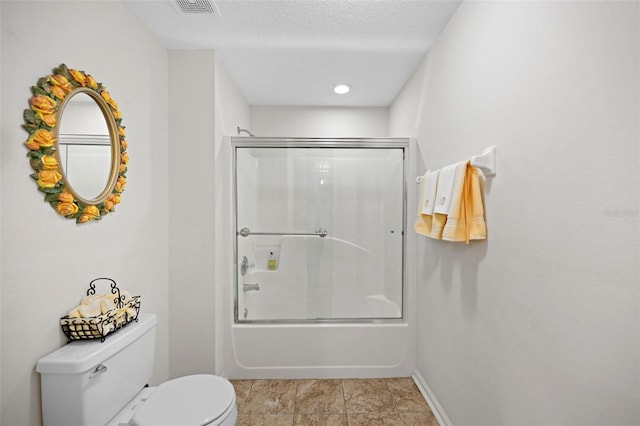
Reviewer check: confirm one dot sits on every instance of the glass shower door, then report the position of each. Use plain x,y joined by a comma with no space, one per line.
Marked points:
319,233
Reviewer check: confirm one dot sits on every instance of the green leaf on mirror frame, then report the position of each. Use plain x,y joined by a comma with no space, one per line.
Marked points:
35,164
51,197
29,116
49,190
62,69
30,128
39,91
50,150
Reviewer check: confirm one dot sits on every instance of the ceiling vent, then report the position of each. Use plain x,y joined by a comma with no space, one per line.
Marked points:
197,7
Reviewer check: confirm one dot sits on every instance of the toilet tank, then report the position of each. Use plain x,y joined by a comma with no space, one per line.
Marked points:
87,382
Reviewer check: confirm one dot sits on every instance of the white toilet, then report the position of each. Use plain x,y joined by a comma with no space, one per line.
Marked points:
87,383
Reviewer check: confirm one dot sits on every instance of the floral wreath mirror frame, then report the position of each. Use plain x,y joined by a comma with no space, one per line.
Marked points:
50,95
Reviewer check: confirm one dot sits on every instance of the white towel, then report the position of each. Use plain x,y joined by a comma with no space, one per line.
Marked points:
429,188
451,177
446,183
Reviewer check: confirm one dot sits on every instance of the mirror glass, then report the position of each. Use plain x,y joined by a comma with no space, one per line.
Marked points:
84,146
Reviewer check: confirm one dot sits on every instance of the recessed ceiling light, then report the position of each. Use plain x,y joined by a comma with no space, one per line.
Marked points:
196,7
341,89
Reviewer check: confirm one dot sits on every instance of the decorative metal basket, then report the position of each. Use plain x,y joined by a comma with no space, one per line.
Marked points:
100,326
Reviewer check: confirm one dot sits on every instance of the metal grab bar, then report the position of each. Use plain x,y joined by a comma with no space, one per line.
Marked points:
245,232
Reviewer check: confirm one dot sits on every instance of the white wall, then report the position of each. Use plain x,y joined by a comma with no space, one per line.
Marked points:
232,110
539,324
1,204
201,259
297,121
191,212
47,261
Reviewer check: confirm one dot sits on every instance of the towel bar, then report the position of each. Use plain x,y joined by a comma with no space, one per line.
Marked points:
485,162
245,232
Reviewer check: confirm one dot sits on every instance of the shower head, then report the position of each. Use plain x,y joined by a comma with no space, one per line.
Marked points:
244,131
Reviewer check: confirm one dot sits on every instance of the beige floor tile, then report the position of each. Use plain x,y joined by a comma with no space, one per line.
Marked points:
367,396
319,396
375,419
270,397
320,420
419,419
406,395
347,402
265,420
241,388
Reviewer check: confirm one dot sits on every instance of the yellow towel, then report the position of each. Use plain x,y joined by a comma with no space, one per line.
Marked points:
476,225
423,221
89,310
423,224
465,220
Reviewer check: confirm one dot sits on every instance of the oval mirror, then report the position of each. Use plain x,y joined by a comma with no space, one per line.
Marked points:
77,146
84,146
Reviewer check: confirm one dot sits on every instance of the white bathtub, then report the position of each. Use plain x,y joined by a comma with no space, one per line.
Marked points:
361,331
296,351
361,325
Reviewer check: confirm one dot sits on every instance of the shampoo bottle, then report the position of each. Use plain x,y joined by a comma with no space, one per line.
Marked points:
271,263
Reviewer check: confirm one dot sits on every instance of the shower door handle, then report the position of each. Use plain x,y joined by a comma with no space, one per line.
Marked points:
245,232
251,287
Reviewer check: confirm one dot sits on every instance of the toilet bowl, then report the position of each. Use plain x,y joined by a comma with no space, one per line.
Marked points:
198,400
87,383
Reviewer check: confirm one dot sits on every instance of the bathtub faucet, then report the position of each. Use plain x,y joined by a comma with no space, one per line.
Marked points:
251,287
245,265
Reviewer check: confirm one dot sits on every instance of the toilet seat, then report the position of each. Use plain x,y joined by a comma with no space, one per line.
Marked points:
196,400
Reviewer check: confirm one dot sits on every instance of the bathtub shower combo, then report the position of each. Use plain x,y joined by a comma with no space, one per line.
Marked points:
320,284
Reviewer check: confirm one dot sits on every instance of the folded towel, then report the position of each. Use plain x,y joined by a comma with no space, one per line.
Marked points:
450,183
90,309
107,328
476,225
106,304
428,186
88,300
466,212
96,304
131,313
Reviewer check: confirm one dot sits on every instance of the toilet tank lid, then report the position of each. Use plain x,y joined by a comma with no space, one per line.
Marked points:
82,355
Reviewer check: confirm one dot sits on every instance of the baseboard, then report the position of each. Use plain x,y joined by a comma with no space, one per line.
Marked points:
427,393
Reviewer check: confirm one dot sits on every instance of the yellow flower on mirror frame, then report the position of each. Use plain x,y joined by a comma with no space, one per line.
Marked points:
42,120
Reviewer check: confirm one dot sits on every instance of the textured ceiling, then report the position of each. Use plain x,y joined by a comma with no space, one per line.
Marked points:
292,52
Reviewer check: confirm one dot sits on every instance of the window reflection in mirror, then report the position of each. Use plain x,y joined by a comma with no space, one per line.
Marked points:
84,146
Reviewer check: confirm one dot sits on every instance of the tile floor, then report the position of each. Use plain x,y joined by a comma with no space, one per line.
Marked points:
335,402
